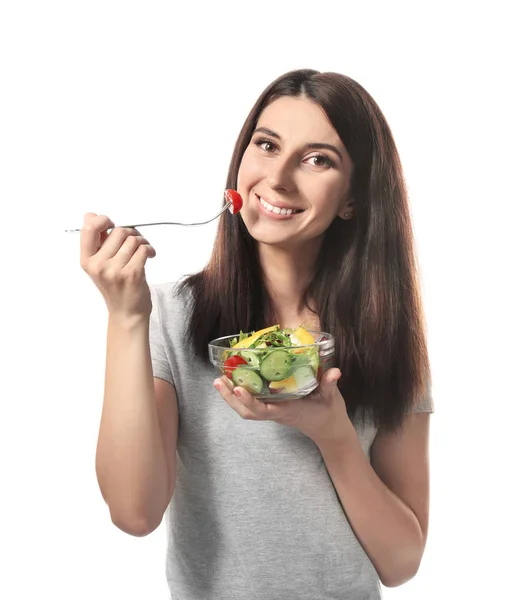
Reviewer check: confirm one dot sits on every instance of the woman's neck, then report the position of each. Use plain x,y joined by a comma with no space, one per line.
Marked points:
287,274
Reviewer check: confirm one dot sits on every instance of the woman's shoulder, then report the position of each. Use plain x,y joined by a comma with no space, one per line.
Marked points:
171,302
170,291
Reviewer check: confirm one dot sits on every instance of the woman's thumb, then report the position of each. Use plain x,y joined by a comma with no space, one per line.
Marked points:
331,377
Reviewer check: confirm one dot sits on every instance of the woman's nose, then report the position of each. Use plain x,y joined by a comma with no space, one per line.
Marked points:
280,174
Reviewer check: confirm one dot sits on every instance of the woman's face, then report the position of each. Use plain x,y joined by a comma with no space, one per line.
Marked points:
295,162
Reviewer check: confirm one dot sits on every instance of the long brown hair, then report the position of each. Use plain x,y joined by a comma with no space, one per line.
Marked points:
365,286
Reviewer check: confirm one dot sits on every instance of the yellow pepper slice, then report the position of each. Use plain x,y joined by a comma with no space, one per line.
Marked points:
247,342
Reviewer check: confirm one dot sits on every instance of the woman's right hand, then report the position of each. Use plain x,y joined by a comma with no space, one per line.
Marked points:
115,262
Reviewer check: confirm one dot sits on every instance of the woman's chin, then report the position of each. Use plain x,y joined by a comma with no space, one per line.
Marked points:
283,237
265,235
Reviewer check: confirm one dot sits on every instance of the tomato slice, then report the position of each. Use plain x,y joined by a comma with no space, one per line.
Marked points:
231,363
235,198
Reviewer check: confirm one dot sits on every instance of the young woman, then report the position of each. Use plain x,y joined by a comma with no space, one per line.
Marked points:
315,498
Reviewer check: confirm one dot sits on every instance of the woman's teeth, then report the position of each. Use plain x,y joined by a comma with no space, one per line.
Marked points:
277,210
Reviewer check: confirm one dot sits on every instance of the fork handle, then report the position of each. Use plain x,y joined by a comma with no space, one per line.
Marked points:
162,223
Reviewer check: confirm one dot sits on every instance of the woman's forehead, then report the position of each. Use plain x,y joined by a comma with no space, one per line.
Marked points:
298,118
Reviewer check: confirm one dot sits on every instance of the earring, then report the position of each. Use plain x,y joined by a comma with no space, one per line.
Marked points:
346,214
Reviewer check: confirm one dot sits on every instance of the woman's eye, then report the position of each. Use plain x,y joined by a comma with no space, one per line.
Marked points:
321,160
265,145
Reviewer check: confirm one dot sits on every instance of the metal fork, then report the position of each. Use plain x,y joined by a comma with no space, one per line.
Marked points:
227,205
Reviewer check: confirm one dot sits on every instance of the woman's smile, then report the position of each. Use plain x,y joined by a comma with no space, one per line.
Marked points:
276,211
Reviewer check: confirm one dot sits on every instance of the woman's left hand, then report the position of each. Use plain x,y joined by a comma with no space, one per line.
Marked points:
321,415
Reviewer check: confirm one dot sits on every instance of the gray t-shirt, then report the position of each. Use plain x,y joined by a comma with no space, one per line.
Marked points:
254,515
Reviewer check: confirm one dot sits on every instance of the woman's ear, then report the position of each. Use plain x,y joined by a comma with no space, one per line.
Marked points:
346,210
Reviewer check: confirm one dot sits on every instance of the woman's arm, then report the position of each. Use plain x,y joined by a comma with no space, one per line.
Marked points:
386,500
136,448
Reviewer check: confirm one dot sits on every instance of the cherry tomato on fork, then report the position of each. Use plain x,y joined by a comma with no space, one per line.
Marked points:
235,198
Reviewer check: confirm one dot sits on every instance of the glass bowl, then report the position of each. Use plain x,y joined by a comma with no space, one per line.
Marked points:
274,374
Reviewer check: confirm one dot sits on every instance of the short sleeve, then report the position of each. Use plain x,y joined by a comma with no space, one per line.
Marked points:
424,404
159,361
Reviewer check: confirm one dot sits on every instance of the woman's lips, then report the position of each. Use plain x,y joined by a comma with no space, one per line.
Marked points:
274,215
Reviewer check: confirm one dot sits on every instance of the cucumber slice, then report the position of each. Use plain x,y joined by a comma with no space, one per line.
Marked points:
304,377
251,358
298,359
314,359
247,378
306,358
276,365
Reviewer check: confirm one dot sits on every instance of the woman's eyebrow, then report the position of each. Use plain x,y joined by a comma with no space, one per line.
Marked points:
311,146
268,132
319,146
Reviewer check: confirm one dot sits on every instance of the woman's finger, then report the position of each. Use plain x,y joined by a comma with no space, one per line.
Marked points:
241,398
133,252
114,242
266,411
93,235
137,262
234,402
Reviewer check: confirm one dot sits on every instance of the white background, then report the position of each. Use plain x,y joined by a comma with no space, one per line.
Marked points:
132,109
